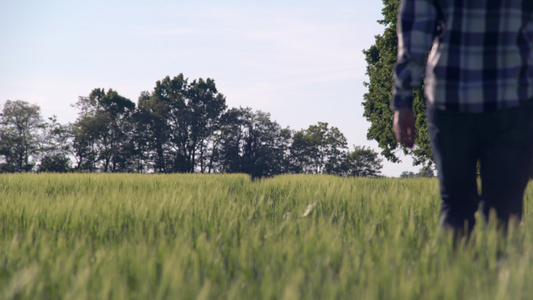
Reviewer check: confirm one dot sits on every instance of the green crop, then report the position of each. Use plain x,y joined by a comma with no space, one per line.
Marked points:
192,236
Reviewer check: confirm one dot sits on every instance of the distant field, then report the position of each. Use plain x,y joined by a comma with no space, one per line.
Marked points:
100,236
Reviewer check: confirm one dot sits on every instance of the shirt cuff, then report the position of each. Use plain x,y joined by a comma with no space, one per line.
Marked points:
402,99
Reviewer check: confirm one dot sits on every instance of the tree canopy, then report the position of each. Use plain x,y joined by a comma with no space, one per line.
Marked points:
380,58
20,123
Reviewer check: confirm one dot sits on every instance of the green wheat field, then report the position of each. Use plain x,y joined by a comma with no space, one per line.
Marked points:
192,236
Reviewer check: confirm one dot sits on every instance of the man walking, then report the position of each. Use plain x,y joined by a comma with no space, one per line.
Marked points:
479,90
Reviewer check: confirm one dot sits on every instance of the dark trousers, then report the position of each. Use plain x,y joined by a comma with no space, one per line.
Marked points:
502,141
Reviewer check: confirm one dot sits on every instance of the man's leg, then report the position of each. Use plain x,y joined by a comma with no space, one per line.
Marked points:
454,140
506,162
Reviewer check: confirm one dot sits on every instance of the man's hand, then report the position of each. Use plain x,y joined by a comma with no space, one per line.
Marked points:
404,127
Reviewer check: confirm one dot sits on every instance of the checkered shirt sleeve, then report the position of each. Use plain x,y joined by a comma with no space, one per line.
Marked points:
482,60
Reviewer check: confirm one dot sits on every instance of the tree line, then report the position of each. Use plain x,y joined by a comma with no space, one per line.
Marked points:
181,126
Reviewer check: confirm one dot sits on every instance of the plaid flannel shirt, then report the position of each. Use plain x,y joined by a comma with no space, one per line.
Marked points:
481,55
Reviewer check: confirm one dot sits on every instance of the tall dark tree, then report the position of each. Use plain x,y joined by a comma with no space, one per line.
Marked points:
301,153
153,133
380,59
183,117
363,162
56,147
205,106
119,148
21,128
86,131
250,142
318,149
102,132
227,144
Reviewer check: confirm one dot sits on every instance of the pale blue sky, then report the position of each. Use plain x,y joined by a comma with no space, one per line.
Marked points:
301,61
